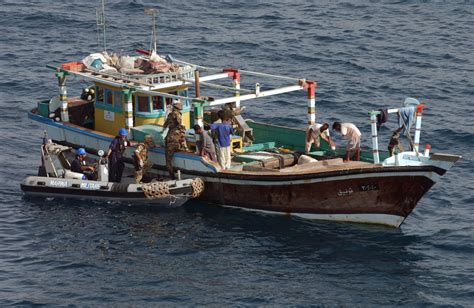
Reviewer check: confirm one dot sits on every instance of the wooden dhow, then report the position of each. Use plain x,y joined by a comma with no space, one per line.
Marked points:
265,174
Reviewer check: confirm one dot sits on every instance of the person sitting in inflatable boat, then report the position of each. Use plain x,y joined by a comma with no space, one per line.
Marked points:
79,164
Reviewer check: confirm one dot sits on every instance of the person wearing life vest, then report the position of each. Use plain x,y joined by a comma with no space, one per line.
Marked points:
79,164
115,155
140,158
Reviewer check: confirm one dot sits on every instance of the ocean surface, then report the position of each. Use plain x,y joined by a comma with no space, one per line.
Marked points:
364,55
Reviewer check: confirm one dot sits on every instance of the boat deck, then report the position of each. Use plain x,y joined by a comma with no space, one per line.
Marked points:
330,165
324,164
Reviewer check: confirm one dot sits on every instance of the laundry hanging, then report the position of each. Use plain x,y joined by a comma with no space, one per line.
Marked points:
406,116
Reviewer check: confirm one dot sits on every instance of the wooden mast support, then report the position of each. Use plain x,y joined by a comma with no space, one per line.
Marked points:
245,97
61,75
235,75
311,87
375,141
198,108
221,101
196,83
419,111
128,110
236,84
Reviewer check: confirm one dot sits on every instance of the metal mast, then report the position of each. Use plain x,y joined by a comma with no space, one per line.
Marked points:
100,16
153,12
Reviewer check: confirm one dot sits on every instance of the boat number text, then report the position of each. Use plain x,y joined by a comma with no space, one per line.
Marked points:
90,186
368,187
345,192
58,183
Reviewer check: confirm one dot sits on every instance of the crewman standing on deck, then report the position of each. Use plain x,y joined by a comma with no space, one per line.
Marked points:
115,155
352,134
140,158
315,133
175,140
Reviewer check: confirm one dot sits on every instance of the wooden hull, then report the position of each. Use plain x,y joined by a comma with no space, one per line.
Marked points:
363,197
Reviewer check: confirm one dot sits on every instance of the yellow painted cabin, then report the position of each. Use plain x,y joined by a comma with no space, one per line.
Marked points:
109,108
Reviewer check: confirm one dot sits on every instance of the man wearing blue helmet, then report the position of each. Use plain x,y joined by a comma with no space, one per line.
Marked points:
79,164
115,155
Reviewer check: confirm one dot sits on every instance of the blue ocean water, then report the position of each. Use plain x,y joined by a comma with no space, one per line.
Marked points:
364,54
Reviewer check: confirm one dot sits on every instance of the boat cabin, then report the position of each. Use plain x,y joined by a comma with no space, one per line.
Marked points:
110,108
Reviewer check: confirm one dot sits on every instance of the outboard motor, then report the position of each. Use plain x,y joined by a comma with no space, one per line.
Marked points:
103,168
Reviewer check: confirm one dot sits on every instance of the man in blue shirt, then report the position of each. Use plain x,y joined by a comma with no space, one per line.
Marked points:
224,130
115,154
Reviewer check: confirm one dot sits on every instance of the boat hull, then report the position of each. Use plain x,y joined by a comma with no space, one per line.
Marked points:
379,195
93,190
381,198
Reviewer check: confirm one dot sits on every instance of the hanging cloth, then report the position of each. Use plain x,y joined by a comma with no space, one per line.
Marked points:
406,116
382,117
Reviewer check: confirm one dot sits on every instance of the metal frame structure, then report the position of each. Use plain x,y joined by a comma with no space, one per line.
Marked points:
373,124
130,85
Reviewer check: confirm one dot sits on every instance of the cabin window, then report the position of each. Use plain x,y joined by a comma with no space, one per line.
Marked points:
158,104
169,100
109,97
118,97
99,94
185,94
143,103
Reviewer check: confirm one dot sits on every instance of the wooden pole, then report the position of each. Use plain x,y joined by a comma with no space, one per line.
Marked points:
198,108
128,110
235,75
196,83
311,102
419,111
375,141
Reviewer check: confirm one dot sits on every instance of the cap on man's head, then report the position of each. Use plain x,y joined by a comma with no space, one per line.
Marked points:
178,105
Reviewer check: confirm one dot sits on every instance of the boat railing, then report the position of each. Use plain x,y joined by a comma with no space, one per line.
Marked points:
182,74
373,124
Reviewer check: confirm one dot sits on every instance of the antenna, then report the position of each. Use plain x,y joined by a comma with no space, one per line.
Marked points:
152,12
100,16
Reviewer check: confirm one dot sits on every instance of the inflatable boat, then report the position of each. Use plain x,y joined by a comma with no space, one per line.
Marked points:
55,179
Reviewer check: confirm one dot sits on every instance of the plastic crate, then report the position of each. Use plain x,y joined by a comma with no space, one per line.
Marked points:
73,66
